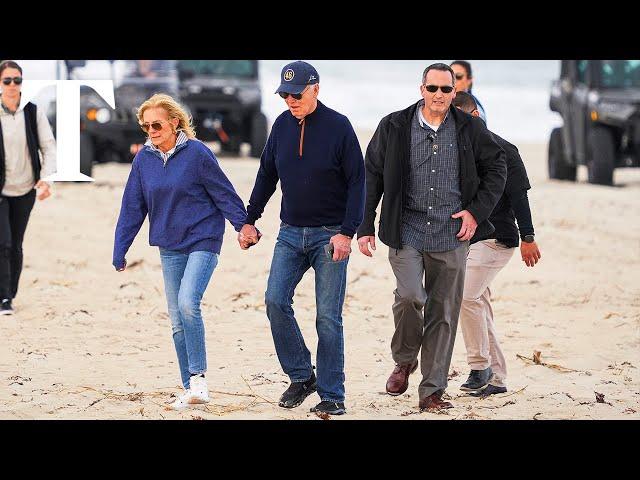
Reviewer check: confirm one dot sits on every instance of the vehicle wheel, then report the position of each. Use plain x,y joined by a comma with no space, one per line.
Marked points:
87,153
559,169
258,134
601,159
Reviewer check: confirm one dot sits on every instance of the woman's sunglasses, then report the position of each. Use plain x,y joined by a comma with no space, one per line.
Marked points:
434,88
157,126
459,76
16,80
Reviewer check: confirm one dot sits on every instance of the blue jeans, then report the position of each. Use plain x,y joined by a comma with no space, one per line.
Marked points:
186,277
298,249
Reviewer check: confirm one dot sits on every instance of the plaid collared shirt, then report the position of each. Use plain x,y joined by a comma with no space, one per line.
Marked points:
182,138
433,192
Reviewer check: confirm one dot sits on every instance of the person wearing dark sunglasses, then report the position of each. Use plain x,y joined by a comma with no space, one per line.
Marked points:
177,181
440,174
488,255
314,152
25,134
464,83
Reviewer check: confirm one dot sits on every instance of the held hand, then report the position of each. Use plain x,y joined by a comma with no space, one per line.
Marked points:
341,247
248,236
250,233
530,253
364,242
45,190
469,225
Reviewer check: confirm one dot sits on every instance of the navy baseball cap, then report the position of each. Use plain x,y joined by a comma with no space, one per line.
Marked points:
295,77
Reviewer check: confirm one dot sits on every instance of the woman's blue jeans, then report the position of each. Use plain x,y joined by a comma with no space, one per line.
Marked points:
186,277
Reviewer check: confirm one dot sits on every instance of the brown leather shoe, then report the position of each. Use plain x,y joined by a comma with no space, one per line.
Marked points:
398,382
434,402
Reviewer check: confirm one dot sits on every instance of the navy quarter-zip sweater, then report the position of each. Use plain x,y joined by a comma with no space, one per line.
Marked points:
321,170
187,201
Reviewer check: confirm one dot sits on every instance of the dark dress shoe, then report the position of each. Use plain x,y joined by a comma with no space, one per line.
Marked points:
398,382
478,380
434,402
490,390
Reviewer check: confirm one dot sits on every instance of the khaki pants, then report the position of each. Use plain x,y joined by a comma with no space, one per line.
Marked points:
485,260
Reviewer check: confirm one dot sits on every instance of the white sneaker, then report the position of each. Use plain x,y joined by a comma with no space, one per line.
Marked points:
182,401
198,389
197,393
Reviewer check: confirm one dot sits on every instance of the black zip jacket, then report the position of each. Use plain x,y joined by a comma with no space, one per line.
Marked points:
483,173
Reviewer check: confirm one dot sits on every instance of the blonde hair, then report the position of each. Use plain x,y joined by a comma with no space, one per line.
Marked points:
173,109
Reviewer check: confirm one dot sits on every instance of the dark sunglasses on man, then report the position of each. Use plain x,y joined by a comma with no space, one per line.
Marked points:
157,126
297,96
16,80
434,88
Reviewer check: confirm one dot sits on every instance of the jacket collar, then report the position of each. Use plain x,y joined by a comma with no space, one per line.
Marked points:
403,118
4,110
319,108
181,142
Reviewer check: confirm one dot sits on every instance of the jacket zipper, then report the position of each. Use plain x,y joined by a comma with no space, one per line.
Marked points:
301,122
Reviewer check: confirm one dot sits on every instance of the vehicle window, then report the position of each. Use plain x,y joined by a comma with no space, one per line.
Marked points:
219,68
620,73
582,70
148,68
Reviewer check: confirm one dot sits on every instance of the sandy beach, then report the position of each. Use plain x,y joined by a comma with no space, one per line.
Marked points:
87,342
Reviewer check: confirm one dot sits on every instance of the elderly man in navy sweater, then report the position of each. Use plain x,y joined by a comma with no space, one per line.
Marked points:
315,154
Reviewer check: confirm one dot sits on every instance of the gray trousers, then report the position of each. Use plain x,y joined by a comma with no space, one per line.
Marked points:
440,298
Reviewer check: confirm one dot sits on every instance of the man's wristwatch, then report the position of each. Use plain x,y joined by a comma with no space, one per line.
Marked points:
528,238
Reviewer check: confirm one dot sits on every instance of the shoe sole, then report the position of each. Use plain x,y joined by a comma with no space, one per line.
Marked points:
182,406
467,389
484,394
336,412
310,391
395,394
6,312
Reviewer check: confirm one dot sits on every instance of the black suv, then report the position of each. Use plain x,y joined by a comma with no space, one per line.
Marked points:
599,101
115,135
225,101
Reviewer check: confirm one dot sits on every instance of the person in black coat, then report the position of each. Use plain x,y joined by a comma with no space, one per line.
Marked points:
440,174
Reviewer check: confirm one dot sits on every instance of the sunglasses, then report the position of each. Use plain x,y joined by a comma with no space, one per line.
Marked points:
16,80
459,76
157,126
434,88
297,96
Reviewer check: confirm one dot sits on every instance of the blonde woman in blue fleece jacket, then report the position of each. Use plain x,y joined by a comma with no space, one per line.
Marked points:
176,180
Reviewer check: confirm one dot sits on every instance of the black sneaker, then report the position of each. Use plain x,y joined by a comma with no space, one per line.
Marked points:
297,392
478,380
489,390
332,408
5,307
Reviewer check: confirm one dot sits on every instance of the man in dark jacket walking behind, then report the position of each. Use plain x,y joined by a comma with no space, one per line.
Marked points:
441,173
487,256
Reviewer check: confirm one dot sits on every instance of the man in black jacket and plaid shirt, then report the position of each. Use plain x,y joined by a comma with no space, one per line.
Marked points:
440,174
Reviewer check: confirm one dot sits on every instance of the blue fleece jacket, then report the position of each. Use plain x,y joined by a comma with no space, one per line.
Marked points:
187,200
321,171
